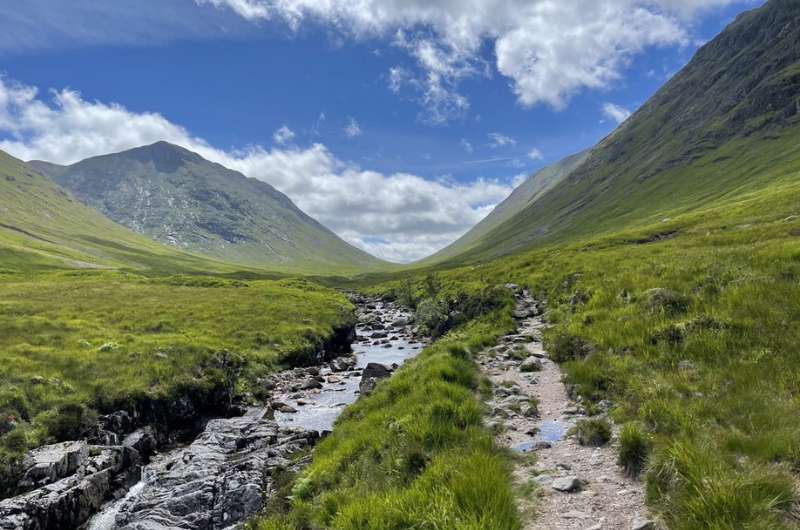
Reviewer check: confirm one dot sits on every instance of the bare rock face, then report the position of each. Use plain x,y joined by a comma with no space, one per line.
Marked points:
215,482
90,474
47,464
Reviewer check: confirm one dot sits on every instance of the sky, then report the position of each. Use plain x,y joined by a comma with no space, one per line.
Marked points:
398,124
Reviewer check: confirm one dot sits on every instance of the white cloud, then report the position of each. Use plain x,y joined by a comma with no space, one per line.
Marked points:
352,129
535,154
398,216
501,140
616,113
283,135
548,49
467,146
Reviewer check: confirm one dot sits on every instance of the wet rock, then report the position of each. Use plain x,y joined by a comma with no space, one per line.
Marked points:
143,441
567,484
644,525
311,384
282,407
373,373
343,364
217,481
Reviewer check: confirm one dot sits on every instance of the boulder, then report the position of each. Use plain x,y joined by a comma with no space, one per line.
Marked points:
531,364
282,407
373,373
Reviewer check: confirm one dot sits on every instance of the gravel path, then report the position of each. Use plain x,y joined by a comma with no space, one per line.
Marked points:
577,487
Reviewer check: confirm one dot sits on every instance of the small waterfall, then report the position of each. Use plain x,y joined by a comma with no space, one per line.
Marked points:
107,519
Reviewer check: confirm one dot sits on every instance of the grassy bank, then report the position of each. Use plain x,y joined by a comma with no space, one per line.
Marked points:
72,343
415,453
689,326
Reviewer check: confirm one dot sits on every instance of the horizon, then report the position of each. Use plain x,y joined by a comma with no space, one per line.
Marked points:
305,100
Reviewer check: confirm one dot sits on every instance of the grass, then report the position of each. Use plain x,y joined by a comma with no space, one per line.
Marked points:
691,337
77,342
415,453
594,432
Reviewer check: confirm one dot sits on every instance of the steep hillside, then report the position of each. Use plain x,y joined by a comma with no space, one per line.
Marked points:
711,132
178,198
523,196
43,226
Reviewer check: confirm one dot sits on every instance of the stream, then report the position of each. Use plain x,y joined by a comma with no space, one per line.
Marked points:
219,480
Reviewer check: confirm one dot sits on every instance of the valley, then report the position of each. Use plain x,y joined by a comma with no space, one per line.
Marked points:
613,346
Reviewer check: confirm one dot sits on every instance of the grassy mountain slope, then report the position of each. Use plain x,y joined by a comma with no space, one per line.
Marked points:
178,198
42,226
697,140
522,197
670,264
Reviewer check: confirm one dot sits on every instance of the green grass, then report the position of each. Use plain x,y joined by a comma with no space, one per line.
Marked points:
415,453
106,340
694,338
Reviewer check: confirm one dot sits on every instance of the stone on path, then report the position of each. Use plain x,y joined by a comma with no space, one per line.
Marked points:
531,364
567,484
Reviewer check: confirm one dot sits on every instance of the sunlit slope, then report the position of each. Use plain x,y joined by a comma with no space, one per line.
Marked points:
522,197
43,226
727,124
178,198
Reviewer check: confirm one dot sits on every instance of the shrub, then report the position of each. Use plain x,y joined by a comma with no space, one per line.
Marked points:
595,432
566,347
432,317
69,421
634,447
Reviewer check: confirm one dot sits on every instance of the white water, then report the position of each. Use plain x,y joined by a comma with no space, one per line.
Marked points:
107,519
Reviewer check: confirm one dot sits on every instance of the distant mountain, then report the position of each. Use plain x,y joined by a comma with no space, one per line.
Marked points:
523,196
177,197
717,130
44,226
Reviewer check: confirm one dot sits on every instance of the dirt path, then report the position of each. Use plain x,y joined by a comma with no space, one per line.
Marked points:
579,487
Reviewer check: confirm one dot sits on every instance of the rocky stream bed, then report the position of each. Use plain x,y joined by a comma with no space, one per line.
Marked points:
124,477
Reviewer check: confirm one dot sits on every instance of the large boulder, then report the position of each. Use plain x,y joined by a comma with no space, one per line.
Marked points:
373,373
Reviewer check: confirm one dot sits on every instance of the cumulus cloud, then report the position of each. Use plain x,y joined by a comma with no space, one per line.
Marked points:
535,154
352,129
501,140
548,49
616,113
397,216
283,135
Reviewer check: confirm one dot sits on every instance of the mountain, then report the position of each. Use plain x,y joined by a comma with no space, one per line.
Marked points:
720,128
178,198
523,196
43,226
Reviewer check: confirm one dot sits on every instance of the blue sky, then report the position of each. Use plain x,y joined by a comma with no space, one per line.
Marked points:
398,124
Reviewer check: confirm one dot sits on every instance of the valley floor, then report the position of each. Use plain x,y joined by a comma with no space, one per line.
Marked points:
577,487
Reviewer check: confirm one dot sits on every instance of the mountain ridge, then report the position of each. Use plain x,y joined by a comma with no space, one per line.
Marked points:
690,144
177,197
